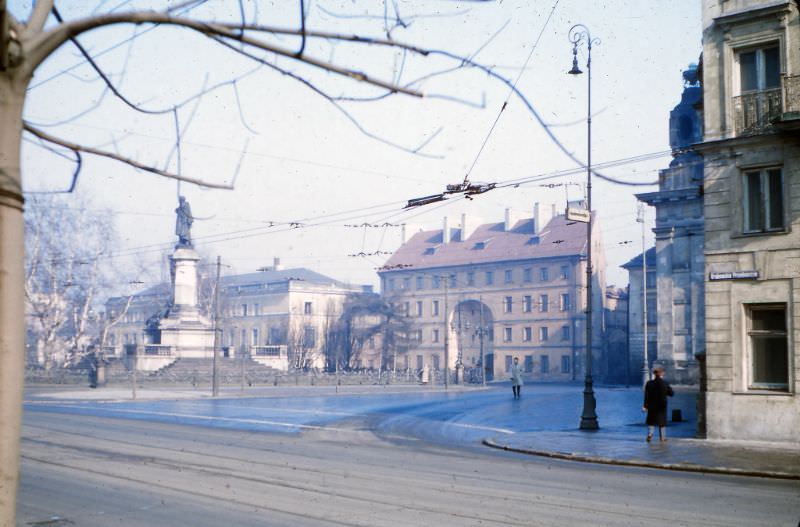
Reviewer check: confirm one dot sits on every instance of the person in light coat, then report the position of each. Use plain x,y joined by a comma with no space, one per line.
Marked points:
516,377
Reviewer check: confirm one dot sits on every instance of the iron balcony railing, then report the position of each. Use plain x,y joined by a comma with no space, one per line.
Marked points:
268,351
755,112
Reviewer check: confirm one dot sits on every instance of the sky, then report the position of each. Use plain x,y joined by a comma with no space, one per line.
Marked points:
323,189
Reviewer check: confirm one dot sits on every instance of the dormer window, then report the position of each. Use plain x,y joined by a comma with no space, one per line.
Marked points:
479,246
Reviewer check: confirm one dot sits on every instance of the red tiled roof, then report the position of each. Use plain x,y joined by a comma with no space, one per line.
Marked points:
558,238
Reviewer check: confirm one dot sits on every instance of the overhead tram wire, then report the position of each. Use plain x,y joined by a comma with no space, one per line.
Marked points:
510,93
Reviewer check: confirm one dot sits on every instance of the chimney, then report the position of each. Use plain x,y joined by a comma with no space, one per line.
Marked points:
553,213
511,219
276,264
537,226
466,228
445,231
403,234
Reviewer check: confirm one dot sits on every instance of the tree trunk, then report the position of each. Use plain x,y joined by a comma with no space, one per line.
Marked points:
12,307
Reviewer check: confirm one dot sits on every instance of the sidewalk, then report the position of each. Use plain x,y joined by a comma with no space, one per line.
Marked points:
620,447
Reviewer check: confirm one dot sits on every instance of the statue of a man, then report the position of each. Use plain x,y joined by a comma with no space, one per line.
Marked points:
183,223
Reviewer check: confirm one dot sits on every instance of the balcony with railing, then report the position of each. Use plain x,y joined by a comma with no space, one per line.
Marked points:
757,112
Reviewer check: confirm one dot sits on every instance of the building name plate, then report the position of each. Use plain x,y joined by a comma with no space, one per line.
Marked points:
734,275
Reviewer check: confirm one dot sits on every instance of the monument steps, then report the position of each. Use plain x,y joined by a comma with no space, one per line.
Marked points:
196,370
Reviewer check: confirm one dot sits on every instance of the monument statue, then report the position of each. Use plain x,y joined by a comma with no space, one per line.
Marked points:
183,223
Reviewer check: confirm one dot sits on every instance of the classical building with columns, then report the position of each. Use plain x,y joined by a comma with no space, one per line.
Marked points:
480,295
679,271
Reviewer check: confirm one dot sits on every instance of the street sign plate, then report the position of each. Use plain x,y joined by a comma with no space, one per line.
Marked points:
581,215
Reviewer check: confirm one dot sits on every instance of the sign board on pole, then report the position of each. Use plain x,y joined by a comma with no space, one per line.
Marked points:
581,215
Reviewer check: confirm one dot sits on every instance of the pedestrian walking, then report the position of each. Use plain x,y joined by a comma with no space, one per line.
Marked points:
656,392
516,377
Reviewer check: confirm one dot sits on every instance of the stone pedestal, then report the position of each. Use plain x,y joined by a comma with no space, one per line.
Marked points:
184,330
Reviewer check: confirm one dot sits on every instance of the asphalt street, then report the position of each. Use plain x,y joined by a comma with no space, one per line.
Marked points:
390,457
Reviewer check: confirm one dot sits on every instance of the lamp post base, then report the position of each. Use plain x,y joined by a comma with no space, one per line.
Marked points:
589,416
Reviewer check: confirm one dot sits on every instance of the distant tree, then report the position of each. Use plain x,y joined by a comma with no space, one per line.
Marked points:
67,272
367,317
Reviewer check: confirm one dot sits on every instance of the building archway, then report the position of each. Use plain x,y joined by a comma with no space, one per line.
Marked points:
472,335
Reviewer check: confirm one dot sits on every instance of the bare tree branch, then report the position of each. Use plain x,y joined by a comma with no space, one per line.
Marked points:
135,164
46,43
41,10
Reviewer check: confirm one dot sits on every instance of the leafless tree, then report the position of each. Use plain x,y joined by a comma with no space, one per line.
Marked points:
66,273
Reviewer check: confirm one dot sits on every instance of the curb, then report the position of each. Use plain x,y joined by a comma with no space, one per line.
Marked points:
682,467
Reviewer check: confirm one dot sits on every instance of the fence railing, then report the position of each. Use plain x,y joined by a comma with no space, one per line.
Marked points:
268,351
161,350
754,112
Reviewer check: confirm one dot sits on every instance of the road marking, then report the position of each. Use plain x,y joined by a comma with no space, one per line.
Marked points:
211,418
479,427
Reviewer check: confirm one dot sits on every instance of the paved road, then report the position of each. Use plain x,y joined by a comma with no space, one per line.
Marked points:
357,468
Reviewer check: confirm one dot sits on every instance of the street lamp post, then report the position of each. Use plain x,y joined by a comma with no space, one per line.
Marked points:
578,34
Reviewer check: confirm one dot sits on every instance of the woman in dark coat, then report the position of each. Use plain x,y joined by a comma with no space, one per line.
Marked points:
656,392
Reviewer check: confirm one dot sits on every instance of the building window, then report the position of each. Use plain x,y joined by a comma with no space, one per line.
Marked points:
759,69
509,361
435,308
419,308
508,276
420,362
254,341
307,308
544,303
564,272
564,305
471,278
244,310
564,332
527,275
507,335
543,335
489,278
527,334
527,303
763,200
651,279
390,284
406,308
407,283
528,363
652,311
507,303
257,309
565,366
371,343
768,346
545,364
309,337
435,335
544,274
452,280
436,282
435,358
418,335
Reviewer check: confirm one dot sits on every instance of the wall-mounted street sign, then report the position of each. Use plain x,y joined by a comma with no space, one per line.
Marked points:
734,275
581,215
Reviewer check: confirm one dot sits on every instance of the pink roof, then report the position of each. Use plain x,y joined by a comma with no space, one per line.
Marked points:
490,243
